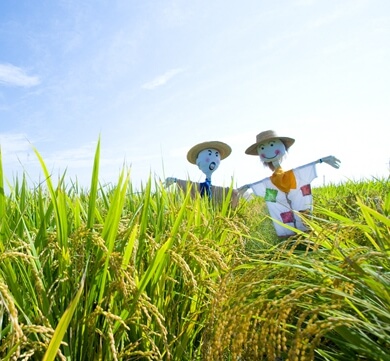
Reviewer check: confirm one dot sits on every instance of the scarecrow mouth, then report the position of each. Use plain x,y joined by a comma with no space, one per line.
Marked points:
269,158
212,165
277,154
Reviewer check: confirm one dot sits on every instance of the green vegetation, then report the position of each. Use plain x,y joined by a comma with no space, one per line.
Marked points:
111,274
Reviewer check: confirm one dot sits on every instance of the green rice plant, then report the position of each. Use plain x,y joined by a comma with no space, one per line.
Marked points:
341,198
2,206
107,273
260,229
319,296
181,275
63,324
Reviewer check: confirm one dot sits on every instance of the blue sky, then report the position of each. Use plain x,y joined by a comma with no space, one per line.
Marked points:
154,78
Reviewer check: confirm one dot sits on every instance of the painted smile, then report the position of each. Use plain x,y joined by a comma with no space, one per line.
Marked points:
263,156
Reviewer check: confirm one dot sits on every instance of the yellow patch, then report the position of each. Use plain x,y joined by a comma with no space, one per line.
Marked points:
285,181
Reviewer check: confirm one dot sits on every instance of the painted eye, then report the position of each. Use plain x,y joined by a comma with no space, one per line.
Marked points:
217,154
210,152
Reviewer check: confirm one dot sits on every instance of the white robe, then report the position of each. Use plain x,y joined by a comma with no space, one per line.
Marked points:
281,205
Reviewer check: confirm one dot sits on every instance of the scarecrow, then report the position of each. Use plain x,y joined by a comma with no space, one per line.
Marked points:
287,193
207,156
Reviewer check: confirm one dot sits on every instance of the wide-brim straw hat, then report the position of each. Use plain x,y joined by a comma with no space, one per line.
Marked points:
223,149
267,136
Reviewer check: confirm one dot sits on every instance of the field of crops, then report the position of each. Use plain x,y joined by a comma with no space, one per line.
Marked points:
106,273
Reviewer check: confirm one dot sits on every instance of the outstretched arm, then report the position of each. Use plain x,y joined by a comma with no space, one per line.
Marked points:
180,182
183,184
169,181
331,160
243,189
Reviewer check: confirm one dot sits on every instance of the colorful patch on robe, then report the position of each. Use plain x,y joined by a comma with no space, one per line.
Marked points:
270,195
306,190
287,217
285,181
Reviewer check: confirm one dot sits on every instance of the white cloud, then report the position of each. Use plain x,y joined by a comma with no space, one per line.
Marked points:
162,79
78,157
14,143
16,153
13,75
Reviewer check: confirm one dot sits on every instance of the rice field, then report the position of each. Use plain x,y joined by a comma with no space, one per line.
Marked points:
107,273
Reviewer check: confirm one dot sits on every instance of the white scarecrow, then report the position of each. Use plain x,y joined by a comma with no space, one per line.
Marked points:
286,192
207,156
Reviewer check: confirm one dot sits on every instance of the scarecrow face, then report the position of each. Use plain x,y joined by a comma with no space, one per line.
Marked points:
271,151
208,161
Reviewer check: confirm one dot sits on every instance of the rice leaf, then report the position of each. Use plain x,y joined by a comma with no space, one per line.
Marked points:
94,188
111,225
63,324
2,203
58,204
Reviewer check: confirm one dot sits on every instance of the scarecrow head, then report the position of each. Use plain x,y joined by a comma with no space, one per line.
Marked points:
270,147
208,155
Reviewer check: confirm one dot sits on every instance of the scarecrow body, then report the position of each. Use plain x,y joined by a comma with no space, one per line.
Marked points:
287,194
207,156
282,203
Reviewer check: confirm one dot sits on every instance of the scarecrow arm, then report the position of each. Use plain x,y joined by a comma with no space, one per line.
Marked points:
180,183
169,181
243,189
331,160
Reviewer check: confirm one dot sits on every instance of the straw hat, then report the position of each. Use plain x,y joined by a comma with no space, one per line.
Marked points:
267,136
223,149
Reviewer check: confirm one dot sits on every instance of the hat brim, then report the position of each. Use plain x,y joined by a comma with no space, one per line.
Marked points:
252,150
223,149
